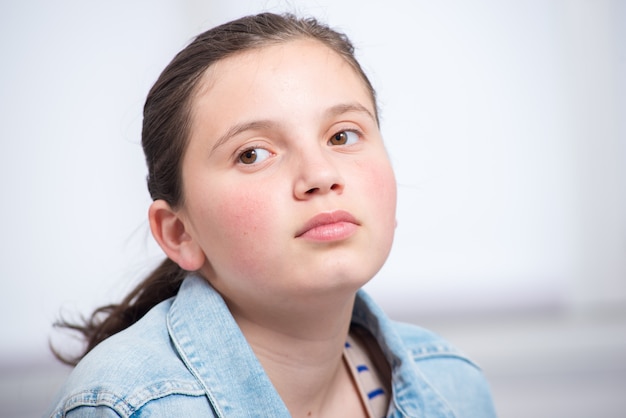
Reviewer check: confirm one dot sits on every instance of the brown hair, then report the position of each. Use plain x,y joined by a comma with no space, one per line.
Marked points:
166,124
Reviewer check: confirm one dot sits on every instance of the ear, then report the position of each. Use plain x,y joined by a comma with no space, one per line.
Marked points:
170,233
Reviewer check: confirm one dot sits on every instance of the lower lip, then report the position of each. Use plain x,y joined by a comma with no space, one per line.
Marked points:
331,232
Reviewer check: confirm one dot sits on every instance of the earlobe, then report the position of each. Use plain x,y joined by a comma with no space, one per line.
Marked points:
170,232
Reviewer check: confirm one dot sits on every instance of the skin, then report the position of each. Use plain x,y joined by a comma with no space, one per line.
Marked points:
245,221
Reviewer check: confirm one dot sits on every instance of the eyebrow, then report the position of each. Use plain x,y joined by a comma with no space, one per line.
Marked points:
342,108
239,128
333,111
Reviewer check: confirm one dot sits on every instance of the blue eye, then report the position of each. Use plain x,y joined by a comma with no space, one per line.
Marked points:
344,138
253,155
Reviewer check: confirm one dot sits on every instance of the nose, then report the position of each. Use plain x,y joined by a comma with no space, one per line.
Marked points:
317,174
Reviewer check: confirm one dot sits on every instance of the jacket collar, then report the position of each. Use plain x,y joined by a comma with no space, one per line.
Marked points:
211,345
213,348
412,394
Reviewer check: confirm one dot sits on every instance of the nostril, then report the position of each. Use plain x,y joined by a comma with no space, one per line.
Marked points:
336,187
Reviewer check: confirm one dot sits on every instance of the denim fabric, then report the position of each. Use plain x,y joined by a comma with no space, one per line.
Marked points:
187,357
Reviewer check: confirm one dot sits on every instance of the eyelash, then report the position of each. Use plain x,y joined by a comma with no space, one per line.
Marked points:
253,147
357,132
241,153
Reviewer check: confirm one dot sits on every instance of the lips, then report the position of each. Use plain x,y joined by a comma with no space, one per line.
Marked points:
329,226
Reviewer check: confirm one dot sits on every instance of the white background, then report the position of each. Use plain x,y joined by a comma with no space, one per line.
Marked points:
505,122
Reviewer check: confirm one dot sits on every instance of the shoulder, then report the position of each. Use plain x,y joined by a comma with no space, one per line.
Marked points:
133,372
424,344
453,375
428,373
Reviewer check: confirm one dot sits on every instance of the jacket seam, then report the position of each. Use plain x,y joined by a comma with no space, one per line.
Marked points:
97,398
417,357
125,406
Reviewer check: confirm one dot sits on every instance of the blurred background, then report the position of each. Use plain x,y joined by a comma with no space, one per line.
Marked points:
506,124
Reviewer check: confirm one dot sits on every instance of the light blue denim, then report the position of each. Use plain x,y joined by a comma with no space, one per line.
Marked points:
188,358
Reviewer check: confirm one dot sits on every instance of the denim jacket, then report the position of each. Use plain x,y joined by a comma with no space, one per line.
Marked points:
188,358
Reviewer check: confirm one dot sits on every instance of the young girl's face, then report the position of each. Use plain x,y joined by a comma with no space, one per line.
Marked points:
287,186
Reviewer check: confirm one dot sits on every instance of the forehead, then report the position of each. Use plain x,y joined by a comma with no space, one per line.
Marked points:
282,68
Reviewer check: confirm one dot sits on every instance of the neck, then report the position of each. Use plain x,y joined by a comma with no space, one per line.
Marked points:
301,352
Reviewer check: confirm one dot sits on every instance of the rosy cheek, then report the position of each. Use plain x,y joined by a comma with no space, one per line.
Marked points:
244,220
381,183
239,213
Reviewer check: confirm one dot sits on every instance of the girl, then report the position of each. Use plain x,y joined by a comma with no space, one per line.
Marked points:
274,201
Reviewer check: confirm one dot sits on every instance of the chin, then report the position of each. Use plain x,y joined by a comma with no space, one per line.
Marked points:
342,279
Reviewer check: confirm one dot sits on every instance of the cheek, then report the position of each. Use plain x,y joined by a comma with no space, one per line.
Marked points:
242,221
380,188
240,214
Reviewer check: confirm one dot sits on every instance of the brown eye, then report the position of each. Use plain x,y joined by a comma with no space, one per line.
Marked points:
343,138
253,155
248,156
